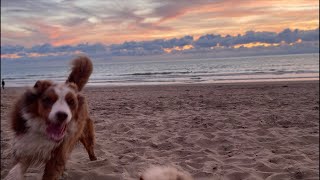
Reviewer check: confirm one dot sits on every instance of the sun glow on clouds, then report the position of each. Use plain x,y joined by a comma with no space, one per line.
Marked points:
261,44
35,55
72,22
10,56
299,41
177,48
256,44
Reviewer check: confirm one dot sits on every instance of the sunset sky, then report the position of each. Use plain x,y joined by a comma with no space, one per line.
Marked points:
70,22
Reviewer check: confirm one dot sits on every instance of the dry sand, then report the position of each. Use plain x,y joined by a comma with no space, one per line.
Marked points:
214,131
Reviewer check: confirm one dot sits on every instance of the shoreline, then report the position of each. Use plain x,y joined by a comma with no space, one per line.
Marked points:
191,84
212,83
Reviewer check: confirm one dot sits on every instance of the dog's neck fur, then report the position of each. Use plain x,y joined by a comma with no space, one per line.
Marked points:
33,144
39,151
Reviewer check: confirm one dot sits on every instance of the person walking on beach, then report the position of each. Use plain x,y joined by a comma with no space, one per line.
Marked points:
3,83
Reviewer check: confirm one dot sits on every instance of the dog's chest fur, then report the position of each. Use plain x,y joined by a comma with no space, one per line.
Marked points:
36,146
33,146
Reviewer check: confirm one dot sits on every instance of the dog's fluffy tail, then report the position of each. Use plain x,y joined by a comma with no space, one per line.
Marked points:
81,70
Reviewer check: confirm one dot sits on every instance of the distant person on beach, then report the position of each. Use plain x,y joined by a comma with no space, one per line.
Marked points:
3,83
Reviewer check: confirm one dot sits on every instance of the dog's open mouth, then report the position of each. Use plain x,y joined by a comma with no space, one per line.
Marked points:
56,131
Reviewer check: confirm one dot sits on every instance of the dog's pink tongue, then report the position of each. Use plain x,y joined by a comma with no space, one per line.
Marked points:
55,131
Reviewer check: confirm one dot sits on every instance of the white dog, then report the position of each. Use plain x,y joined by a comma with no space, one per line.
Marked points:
164,173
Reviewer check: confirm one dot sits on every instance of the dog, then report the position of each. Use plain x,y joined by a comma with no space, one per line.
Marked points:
48,120
164,173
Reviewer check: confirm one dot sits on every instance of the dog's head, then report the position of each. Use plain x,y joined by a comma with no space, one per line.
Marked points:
52,107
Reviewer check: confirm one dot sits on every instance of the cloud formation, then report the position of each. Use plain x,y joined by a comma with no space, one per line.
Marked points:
65,22
301,40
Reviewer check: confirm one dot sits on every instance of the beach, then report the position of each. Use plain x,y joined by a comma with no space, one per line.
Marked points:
214,131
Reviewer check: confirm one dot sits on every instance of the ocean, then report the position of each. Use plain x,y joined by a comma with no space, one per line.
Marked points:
187,71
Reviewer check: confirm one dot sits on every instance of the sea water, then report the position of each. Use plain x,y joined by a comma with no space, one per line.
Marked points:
182,71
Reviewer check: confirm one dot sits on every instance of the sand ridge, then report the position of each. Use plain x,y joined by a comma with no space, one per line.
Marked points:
227,131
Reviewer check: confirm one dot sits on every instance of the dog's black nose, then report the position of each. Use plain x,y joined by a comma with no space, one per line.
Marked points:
61,116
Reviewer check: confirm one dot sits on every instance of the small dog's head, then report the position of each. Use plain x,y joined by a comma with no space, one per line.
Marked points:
54,107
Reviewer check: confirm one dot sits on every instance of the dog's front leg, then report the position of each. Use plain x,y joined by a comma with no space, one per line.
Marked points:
55,166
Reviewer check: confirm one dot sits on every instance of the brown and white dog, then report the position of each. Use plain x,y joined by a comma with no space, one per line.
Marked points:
165,173
48,120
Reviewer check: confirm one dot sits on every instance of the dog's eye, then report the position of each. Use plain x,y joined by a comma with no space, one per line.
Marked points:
47,101
71,102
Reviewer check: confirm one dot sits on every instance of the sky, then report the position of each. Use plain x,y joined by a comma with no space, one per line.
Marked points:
110,24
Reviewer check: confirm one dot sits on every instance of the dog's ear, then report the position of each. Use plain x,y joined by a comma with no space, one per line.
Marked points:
30,95
41,86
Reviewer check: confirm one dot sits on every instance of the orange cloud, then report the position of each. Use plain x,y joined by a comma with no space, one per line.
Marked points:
166,20
10,56
177,48
52,31
61,42
261,44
